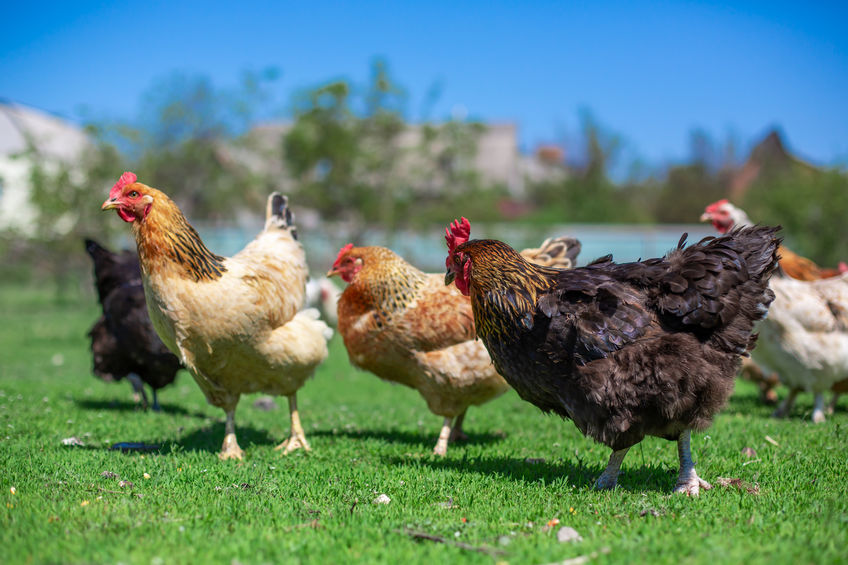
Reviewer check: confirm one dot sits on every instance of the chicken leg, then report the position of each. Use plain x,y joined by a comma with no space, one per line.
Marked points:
609,477
230,449
688,481
831,408
139,396
456,432
442,444
818,409
784,409
297,439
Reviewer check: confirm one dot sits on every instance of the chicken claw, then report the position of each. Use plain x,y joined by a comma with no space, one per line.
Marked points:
456,432
692,486
609,478
688,481
231,449
297,439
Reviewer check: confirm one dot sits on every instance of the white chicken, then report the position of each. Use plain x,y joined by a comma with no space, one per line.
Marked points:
805,338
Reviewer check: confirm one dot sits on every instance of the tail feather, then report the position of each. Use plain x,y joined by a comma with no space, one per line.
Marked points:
557,252
278,214
94,249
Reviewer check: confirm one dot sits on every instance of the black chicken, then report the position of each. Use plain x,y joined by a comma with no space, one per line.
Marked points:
625,351
123,341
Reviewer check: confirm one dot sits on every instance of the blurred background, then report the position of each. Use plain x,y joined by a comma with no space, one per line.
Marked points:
617,122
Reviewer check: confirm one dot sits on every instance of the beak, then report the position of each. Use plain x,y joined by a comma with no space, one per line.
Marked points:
706,217
332,273
109,204
449,277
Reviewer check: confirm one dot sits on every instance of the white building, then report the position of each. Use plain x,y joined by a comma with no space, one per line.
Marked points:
52,141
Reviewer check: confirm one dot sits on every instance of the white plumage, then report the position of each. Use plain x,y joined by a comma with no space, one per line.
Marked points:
805,337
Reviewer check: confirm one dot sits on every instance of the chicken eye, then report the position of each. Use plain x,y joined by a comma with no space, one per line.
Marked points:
134,194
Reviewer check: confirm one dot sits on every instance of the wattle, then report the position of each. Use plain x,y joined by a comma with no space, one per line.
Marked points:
126,216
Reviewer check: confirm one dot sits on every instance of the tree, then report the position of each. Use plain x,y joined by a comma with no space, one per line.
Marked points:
349,159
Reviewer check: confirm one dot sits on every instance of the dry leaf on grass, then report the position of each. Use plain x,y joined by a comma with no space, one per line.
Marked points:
738,484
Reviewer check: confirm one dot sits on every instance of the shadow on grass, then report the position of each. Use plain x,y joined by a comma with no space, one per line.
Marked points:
208,439
650,477
409,438
126,406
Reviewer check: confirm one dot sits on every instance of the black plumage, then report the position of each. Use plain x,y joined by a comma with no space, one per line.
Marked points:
123,341
625,350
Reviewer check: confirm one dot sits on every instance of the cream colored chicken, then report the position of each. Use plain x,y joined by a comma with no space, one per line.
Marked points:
805,337
235,322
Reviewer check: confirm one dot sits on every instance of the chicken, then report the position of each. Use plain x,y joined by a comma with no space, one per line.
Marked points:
810,325
323,295
725,216
625,351
234,322
123,341
805,339
406,326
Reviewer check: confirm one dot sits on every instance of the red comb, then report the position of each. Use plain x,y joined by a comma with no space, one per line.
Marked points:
716,205
342,251
457,233
126,178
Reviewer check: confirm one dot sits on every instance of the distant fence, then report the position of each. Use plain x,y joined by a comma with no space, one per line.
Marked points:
426,249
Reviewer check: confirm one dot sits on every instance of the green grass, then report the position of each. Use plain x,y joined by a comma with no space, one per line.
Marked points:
519,470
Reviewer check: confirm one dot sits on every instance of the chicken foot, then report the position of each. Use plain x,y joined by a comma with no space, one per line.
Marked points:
688,481
456,432
818,409
156,407
831,408
139,396
230,449
297,439
442,445
784,409
609,477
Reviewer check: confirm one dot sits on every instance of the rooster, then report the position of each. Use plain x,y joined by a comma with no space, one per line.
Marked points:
123,341
406,326
234,322
625,351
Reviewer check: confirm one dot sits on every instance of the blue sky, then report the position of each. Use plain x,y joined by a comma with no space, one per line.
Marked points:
650,71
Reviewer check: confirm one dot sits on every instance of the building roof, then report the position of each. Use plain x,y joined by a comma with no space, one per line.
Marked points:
51,136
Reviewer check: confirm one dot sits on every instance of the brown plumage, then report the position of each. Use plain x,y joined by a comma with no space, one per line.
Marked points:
406,326
123,341
235,322
625,351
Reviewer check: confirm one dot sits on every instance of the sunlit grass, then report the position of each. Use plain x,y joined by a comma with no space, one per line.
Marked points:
496,494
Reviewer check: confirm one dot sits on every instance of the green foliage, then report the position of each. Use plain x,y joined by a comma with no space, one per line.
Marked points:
67,200
187,138
686,191
496,492
810,205
587,194
349,160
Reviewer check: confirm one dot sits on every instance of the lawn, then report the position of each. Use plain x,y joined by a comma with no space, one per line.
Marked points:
495,498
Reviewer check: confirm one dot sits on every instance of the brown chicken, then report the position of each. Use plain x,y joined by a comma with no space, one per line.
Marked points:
234,322
625,351
406,326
